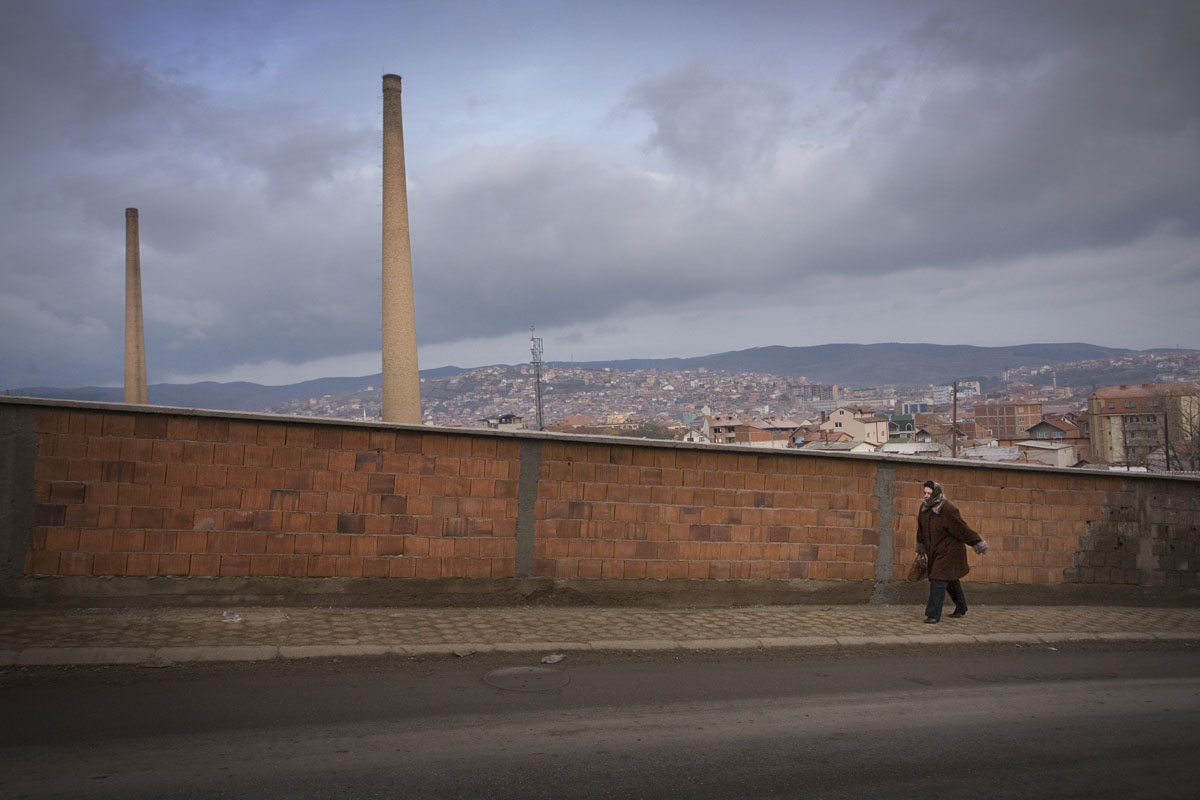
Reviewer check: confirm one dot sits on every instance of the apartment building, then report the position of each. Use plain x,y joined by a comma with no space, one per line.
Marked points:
1006,422
1152,425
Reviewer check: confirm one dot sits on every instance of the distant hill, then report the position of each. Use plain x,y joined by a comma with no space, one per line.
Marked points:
237,396
890,364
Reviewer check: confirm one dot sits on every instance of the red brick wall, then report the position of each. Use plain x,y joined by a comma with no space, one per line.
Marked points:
157,494
1032,520
619,511
148,492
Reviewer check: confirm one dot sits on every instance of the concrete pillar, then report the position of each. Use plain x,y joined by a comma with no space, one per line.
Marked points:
885,550
135,335
401,381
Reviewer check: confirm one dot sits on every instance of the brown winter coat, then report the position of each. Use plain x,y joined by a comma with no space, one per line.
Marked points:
944,537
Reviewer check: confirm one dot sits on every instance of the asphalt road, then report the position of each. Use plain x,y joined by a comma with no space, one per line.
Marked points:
1096,721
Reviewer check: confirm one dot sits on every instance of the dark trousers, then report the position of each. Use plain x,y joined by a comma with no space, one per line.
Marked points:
937,596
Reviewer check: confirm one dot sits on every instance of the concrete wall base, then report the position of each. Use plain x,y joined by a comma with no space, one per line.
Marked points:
93,592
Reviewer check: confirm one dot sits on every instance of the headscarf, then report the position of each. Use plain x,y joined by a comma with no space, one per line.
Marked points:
936,499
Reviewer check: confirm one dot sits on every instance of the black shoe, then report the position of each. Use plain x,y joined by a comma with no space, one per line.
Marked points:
930,621
959,612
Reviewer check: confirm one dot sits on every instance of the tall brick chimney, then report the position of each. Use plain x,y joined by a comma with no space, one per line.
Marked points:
401,382
135,335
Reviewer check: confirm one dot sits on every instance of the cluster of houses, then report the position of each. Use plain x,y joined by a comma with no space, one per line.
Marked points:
1058,439
1153,427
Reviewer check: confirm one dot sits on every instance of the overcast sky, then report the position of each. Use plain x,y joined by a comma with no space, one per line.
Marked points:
635,179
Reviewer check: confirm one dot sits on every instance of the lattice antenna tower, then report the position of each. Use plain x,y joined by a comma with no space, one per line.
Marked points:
535,349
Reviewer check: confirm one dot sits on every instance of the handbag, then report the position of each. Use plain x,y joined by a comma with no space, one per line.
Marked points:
919,568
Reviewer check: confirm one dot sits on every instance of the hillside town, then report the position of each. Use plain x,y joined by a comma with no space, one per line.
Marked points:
1027,415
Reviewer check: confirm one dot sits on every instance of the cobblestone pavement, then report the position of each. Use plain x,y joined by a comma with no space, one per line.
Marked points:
169,635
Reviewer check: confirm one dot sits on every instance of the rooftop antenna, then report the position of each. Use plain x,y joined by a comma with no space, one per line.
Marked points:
535,348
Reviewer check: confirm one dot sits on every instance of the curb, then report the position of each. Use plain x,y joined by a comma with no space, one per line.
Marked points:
168,656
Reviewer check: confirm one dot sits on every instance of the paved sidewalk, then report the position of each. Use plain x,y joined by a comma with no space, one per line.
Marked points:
179,635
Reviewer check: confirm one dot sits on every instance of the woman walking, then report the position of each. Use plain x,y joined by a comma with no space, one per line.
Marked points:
942,537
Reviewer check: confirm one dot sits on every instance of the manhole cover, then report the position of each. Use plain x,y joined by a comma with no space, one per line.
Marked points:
526,679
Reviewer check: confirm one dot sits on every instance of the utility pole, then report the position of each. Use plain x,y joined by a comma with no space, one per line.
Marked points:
954,422
535,348
1167,435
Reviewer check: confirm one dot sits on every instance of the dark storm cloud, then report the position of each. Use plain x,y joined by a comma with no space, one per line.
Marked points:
540,233
607,179
866,77
250,249
976,140
987,148
713,122
297,152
